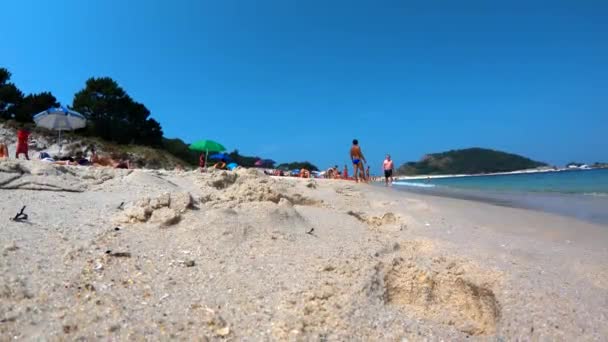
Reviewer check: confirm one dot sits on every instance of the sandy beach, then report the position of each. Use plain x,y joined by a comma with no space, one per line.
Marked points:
157,255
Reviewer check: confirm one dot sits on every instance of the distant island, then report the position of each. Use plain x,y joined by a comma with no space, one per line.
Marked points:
468,161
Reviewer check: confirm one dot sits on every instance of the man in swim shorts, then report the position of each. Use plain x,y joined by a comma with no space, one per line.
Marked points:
358,159
387,166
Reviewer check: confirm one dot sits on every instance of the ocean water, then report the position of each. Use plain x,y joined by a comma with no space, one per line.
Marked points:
582,194
590,182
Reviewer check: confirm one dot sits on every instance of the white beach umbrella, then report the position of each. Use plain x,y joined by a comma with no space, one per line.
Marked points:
60,119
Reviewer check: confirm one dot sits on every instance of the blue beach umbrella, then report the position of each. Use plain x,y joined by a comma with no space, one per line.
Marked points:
219,156
60,119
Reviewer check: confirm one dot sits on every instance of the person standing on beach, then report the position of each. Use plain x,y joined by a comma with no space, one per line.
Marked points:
22,144
357,157
201,161
387,166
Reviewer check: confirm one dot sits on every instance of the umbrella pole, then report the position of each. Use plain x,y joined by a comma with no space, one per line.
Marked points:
60,145
206,154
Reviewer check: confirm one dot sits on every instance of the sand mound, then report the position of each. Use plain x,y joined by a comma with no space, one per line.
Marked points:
443,296
379,298
43,176
39,176
375,221
165,209
227,189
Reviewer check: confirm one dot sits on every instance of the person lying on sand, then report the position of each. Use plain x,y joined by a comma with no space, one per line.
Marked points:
357,157
122,164
3,150
97,160
220,165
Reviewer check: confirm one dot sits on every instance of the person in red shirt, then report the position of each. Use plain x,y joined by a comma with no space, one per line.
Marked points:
22,145
345,172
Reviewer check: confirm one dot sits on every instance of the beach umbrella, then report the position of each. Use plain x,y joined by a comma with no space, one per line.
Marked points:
207,146
219,156
60,119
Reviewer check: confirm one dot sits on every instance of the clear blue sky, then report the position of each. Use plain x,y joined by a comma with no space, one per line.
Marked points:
298,80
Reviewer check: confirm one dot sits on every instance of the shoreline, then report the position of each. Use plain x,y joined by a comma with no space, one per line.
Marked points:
578,206
517,172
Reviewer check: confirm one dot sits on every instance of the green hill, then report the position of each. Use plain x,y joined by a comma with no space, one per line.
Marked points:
468,161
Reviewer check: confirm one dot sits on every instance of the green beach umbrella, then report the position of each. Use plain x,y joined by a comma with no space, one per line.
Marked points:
207,146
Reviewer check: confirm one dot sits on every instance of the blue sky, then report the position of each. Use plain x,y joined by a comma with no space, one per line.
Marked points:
298,80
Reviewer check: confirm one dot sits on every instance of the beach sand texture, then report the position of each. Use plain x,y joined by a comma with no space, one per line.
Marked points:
141,254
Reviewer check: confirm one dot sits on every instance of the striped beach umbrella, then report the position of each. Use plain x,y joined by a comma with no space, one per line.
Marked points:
60,119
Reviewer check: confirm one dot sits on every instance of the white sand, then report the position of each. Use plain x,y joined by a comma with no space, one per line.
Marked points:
261,258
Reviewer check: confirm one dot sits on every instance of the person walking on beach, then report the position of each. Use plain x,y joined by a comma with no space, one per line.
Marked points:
357,157
22,145
387,166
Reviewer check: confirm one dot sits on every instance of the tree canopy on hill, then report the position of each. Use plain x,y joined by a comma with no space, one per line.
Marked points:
114,116
468,161
15,106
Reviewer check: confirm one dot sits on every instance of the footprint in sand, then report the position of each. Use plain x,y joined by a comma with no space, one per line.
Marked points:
375,221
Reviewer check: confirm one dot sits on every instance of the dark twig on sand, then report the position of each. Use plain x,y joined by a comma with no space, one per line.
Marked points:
21,216
118,254
310,232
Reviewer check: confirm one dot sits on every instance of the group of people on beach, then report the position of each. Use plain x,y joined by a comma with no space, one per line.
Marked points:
78,159
362,174
22,145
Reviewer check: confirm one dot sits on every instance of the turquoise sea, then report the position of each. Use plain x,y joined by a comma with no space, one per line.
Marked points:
590,182
582,194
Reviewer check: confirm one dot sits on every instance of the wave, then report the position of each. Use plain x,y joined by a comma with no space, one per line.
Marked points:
596,194
418,185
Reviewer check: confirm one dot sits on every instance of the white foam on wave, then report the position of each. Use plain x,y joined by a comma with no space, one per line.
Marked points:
418,185
596,194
